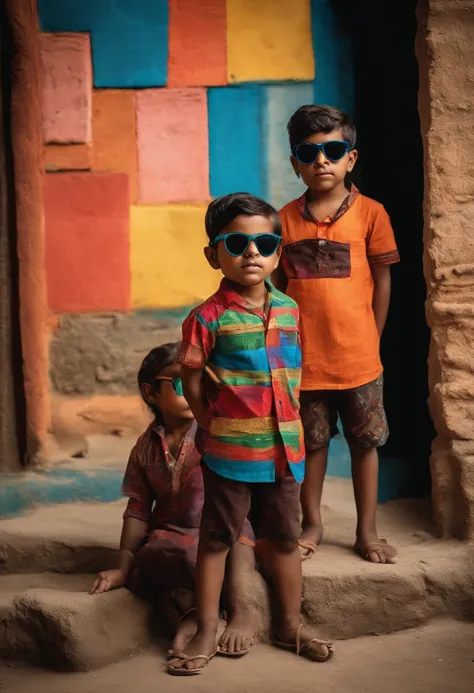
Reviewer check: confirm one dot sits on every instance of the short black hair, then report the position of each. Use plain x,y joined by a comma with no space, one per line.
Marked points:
153,364
222,211
311,119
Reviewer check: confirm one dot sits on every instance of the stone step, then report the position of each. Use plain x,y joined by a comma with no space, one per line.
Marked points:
344,596
50,620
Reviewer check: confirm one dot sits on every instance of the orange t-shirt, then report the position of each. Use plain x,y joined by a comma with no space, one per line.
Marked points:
328,265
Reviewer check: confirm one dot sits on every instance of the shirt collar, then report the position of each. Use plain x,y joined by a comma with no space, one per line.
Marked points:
302,203
228,294
190,433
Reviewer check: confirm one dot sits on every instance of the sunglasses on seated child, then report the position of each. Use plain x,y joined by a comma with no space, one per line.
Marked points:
307,152
176,382
237,243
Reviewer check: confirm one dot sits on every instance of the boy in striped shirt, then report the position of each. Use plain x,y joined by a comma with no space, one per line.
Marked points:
241,371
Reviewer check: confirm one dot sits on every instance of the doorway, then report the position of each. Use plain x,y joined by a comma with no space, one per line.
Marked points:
390,169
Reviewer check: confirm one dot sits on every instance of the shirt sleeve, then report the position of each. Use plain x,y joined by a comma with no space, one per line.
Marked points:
136,487
197,343
381,246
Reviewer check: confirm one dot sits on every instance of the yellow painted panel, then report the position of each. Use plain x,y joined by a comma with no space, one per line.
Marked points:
167,259
269,40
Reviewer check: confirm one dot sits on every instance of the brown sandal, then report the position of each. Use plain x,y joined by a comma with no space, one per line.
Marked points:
179,670
304,648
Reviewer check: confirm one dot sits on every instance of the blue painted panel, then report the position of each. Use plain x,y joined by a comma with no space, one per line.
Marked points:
281,101
130,44
65,15
129,38
334,83
236,145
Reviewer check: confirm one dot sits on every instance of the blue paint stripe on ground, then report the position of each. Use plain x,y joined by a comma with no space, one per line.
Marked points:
20,493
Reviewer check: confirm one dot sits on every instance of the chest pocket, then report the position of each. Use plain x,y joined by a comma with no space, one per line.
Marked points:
317,258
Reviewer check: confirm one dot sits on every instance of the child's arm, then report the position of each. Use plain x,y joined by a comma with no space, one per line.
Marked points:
193,388
133,534
381,299
136,523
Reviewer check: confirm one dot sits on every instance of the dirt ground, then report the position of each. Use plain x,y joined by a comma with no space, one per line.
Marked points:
438,658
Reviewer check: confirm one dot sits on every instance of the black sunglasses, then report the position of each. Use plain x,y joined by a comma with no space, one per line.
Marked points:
308,152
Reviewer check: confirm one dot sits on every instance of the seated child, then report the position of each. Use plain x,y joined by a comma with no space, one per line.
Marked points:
160,531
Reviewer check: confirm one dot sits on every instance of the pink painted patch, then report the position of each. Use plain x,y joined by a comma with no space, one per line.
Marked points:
87,241
172,141
197,43
67,88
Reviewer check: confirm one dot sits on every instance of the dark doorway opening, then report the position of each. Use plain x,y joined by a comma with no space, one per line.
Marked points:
12,399
390,170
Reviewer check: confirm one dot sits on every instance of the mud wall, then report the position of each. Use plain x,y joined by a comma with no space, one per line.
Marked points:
149,111
446,56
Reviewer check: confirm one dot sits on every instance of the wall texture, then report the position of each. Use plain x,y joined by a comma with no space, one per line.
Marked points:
150,109
446,56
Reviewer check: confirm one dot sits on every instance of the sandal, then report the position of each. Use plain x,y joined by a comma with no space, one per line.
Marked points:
305,649
179,670
172,653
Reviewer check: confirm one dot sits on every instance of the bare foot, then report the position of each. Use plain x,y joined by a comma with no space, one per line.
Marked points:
185,633
310,539
240,632
375,550
303,642
203,643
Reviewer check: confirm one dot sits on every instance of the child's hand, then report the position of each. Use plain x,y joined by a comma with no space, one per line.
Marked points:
108,580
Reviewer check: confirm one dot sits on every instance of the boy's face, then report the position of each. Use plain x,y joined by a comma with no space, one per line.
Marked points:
251,268
323,174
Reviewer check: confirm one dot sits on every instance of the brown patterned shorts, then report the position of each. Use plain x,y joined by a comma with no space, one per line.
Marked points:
360,409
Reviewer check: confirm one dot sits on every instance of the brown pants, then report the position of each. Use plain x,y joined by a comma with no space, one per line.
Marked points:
227,504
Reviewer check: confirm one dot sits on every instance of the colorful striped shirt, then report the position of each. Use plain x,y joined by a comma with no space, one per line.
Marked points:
252,365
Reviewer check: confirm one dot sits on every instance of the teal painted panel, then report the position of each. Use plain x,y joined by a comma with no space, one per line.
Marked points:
129,39
130,44
236,150
281,101
334,82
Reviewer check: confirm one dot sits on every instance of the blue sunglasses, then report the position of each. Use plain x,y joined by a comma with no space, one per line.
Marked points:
176,382
237,243
308,152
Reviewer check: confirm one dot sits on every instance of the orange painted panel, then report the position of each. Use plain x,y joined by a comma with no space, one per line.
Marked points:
67,157
114,136
87,241
172,142
197,53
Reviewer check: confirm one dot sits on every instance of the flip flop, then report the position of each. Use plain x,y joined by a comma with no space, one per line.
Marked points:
179,670
304,648
309,548
382,543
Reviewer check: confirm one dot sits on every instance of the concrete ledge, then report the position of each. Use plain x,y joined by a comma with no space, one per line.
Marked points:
64,628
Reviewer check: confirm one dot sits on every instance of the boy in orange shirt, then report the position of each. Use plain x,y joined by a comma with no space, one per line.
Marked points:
338,246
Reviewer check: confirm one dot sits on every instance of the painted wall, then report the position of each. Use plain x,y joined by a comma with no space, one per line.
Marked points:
150,109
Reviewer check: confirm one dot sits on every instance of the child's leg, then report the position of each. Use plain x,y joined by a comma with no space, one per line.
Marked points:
365,427
226,505
319,421
243,622
280,528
